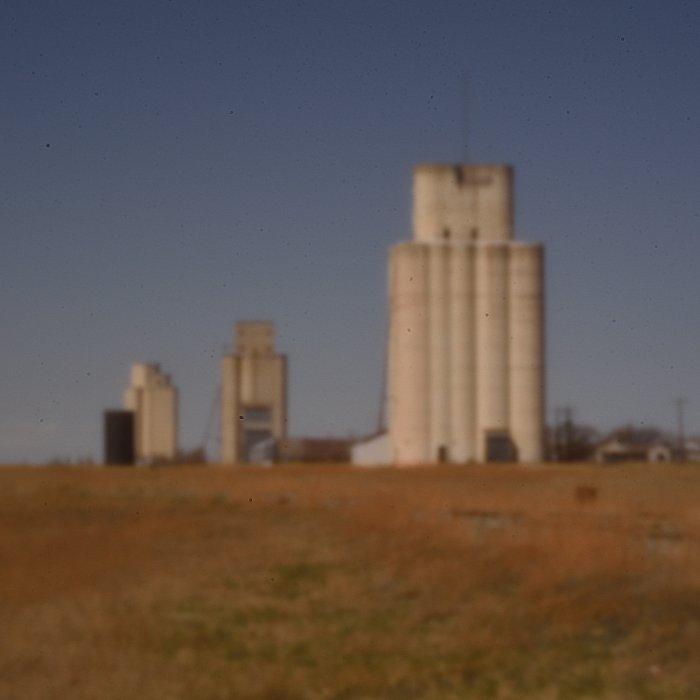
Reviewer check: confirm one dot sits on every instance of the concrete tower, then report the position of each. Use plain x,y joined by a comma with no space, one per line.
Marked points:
153,400
253,394
466,355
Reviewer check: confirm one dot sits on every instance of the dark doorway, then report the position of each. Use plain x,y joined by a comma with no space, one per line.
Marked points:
500,447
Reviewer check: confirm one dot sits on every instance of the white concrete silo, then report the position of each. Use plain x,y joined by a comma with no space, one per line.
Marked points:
462,354
253,394
152,398
526,350
466,324
492,339
408,352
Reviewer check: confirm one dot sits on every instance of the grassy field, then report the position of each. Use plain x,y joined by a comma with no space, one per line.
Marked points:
332,583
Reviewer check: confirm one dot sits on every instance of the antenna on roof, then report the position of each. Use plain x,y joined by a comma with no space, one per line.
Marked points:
465,117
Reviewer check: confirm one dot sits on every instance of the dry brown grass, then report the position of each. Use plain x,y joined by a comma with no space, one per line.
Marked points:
333,583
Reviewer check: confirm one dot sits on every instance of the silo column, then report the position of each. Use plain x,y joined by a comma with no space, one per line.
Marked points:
408,353
492,358
462,378
527,350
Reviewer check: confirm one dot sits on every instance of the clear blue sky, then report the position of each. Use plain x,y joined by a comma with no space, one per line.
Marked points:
169,168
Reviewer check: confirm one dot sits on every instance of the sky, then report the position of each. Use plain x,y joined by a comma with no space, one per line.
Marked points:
171,167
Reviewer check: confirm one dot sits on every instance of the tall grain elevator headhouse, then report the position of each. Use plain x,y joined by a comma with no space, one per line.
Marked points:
253,395
466,326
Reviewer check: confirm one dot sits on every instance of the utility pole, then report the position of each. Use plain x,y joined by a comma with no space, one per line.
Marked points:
564,433
569,432
557,436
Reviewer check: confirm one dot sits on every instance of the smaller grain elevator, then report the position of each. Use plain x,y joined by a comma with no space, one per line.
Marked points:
153,400
253,395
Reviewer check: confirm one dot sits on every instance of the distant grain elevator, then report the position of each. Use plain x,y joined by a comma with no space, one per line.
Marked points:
253,394
152,398
466,329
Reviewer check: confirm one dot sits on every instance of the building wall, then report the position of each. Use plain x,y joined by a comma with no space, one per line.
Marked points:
153,399
466,323
526,350
324,450
491,337
253,390
462,203
372,452
408,375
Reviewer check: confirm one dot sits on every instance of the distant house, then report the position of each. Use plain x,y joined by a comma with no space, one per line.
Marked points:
631,445
691,449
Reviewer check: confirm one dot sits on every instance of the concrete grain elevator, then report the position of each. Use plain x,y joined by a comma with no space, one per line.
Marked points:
253,395
153,400
466,328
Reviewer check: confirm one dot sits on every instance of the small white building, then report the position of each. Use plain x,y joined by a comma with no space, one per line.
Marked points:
616,449
692,449
372,451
